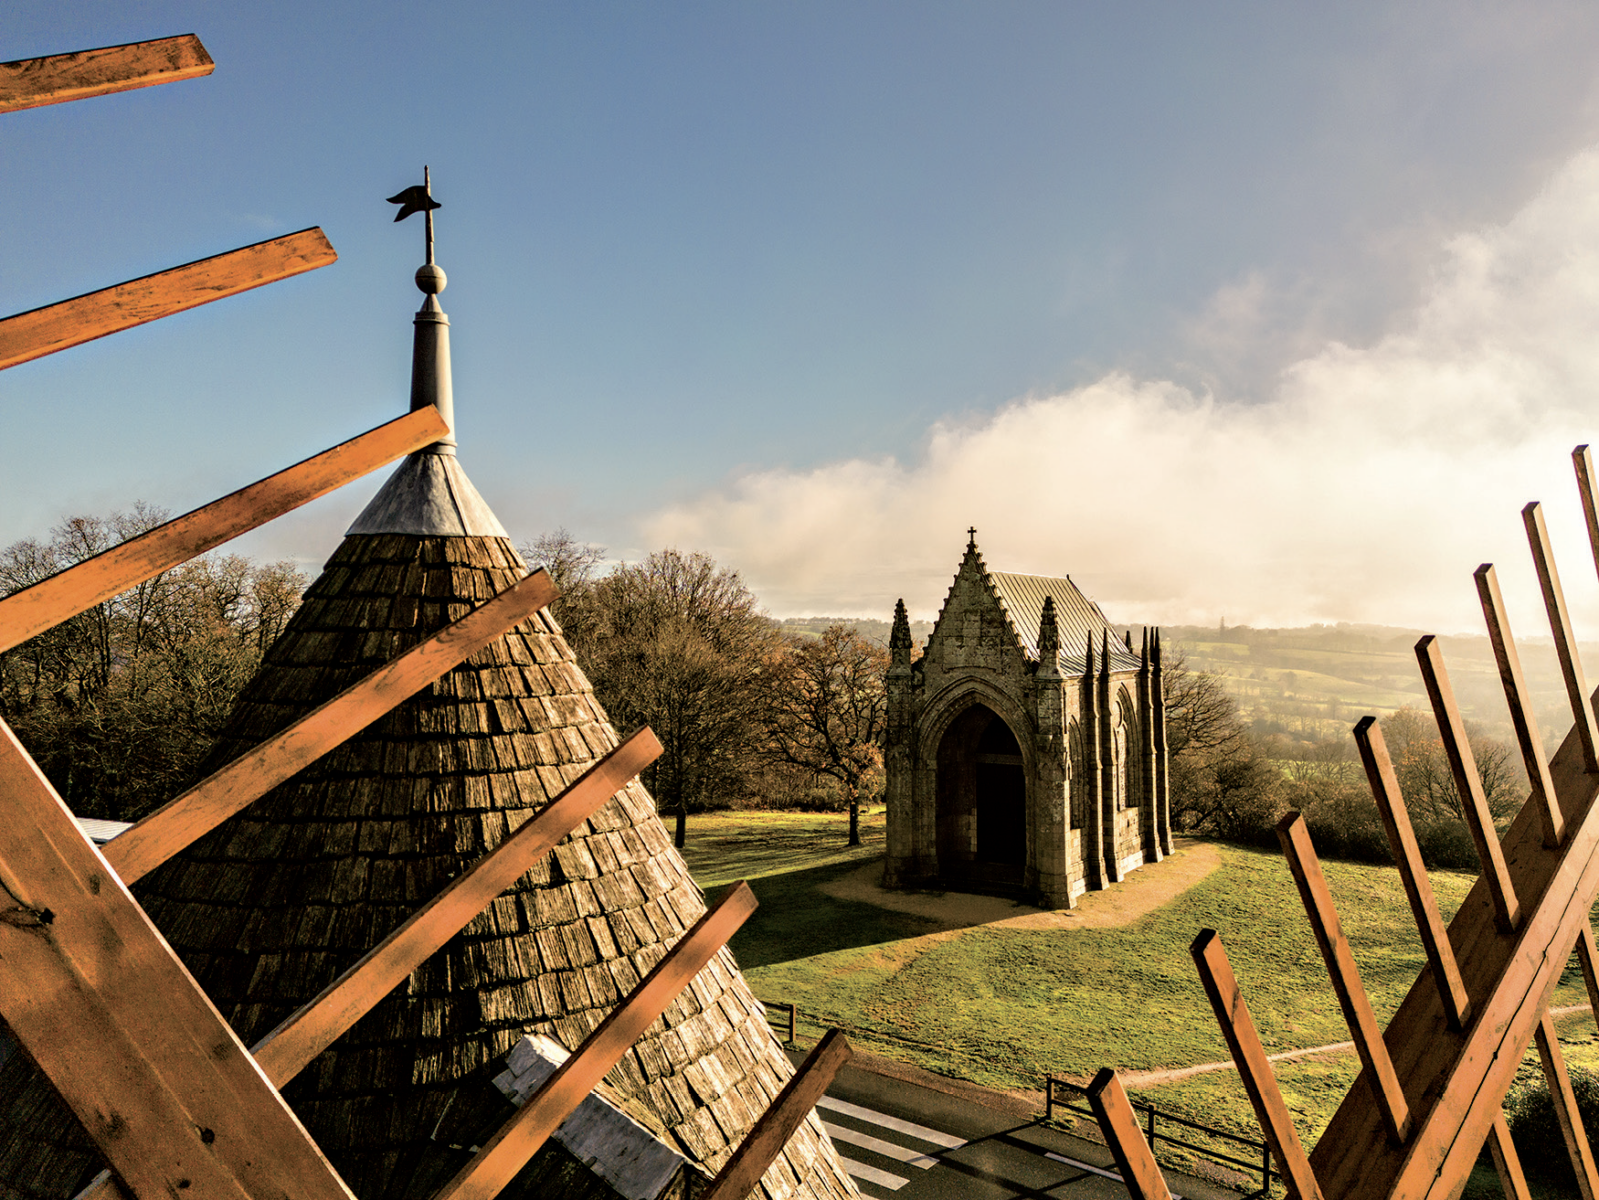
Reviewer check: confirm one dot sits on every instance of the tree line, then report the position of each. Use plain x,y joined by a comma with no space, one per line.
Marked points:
120,703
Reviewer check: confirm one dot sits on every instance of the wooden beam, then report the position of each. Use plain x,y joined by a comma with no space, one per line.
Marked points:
1418,887
1565,1105
51,601
1254,1068
176,824
102,1006
508,1151
1468,785
740,1173
1119,1123
1582,460
1554,600
56,78
1522,719
1507,1162
1586,958
42,331
285,1051
1466,1074
1345,975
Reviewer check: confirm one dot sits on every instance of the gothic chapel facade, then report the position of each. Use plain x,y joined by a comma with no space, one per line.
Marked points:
1026,748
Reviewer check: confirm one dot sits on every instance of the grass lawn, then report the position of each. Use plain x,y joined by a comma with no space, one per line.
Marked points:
1003,1007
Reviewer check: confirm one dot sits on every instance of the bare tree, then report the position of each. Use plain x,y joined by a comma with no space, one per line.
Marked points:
826,707
119,703
1220,782
680,644
1425,778
573,568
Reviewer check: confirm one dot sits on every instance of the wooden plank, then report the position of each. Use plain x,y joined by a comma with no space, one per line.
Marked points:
1565,1105
740,1173
1586,958
1345,975
99,1002
1119,1123
1418,887
59,326
1238,1028
519,1138
141,849
1528,738
1582,460
1507,1162
1474,805
1465,1074
57,78
51,601
1554,600
285,1051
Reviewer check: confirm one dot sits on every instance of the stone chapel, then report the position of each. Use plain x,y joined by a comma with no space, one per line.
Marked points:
1026,747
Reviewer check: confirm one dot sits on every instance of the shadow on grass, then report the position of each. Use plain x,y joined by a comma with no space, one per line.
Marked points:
797,919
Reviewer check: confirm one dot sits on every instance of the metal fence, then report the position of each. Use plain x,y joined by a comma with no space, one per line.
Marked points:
1155,1127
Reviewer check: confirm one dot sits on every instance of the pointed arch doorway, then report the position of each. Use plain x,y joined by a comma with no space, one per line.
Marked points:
982,801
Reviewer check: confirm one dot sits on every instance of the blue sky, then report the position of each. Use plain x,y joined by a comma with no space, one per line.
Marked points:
1224,309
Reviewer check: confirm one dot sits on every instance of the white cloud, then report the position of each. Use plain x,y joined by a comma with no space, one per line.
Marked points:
1366,487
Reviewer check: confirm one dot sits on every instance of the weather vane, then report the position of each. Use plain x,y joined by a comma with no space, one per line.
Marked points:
418,199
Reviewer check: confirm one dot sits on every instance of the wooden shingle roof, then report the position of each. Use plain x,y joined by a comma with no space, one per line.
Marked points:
272,905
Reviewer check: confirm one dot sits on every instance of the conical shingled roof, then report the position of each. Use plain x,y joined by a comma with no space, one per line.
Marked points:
272,905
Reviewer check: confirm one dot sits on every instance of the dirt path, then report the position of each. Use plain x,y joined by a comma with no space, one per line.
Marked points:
1145,890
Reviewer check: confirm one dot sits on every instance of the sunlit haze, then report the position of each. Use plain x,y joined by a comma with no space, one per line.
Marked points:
1258,312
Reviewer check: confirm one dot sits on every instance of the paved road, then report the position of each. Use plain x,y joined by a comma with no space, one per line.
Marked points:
904,1141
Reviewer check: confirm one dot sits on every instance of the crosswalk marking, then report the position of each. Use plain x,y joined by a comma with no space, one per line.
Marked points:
866,1141
872,1175
910,1128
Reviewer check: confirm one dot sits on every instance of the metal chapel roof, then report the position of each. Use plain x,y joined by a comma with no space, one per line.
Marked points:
1078,617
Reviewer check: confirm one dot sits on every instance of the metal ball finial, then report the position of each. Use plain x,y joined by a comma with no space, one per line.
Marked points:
431,279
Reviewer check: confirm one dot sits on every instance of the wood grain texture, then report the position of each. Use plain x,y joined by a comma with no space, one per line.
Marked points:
1522,719
179,822
55,327
1254,1068
1468,784
1412,873
486,1175
1119,1123
1554,599
1345,975
134,1048
1456,1080
1507,1163
57,78
739,1175
51,601
1565,1106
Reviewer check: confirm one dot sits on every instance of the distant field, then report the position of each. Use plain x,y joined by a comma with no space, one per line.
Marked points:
1003,1007
1316,682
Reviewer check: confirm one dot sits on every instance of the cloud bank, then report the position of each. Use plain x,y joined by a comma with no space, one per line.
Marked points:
1366,487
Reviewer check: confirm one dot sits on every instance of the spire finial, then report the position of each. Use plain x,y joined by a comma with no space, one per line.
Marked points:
430,348
419,199
971,538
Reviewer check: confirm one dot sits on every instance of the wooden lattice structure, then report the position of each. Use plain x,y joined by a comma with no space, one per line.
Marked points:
172,1098
1431,1088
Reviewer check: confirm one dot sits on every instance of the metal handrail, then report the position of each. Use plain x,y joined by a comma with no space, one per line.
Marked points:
1262,1163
